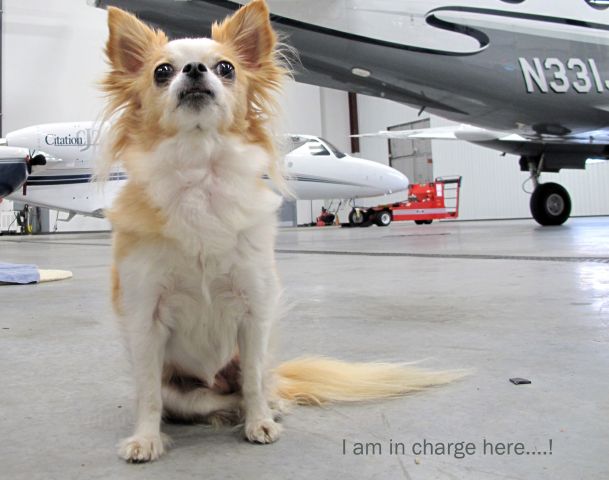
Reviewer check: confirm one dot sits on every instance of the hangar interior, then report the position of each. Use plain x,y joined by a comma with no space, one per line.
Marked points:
492,293
40,36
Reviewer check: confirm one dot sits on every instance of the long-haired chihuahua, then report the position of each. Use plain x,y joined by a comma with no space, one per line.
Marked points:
195,286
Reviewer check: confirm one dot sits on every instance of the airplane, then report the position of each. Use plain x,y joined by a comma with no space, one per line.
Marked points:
16,164
531,75
314,169
14,167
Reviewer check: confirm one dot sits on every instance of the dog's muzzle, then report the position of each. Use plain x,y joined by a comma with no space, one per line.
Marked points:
195,93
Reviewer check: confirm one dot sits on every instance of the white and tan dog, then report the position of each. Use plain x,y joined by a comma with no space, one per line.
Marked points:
195,286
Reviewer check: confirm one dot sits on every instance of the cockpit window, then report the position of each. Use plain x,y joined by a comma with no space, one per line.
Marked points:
316,148
311,146
334,150
294,142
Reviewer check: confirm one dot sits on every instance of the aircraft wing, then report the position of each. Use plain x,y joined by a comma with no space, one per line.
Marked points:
471,133
564,151
457,132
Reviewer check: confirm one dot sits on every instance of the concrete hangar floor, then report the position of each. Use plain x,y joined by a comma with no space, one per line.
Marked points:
504,299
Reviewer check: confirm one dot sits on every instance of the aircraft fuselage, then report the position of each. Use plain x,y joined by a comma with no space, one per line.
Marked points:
498,64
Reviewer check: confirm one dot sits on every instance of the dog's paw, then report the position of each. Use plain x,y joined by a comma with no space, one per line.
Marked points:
141,448
262,431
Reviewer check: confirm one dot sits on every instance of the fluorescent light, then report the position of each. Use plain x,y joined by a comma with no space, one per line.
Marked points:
360,72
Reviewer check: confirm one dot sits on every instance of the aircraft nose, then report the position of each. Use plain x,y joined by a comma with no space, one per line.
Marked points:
395,180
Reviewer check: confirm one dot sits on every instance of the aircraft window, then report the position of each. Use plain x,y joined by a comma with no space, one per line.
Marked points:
333,149
512,1
598,4
295,142
316,148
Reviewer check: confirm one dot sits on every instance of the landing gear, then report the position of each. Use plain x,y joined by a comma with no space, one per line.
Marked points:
358,217
550,202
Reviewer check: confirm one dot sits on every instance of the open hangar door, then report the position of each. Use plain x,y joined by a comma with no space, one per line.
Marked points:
412,157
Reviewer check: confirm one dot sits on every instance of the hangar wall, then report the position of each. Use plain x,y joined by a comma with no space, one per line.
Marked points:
52,59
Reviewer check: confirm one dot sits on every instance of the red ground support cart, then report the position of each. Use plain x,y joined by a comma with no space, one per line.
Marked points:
426,203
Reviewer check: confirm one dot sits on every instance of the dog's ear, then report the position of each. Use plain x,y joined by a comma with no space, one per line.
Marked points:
249,32
129,41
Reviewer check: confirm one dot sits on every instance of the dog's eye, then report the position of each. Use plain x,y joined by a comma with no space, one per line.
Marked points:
163,73
225,70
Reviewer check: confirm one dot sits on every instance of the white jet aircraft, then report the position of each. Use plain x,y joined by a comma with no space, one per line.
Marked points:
315,170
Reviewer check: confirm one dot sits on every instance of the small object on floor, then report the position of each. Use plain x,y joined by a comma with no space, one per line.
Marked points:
519,381
54,275
12,273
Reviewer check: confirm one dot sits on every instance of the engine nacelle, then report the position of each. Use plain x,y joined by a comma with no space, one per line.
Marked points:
13,175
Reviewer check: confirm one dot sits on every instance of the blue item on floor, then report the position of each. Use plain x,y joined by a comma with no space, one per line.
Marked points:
17,273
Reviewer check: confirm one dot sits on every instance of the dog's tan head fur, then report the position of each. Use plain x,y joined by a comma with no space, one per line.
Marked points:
146,111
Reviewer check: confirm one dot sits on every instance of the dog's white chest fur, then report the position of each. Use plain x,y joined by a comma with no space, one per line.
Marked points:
211,192
203,312
218,252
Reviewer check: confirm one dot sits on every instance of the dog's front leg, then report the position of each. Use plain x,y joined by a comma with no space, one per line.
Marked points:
146,338
253,343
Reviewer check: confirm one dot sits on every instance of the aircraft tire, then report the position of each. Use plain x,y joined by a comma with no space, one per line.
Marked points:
550,204
383,218
420,222
357,218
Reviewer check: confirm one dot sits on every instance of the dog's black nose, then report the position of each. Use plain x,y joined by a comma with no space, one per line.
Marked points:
194,69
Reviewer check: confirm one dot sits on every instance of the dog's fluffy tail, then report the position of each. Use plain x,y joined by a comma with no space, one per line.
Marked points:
319,380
